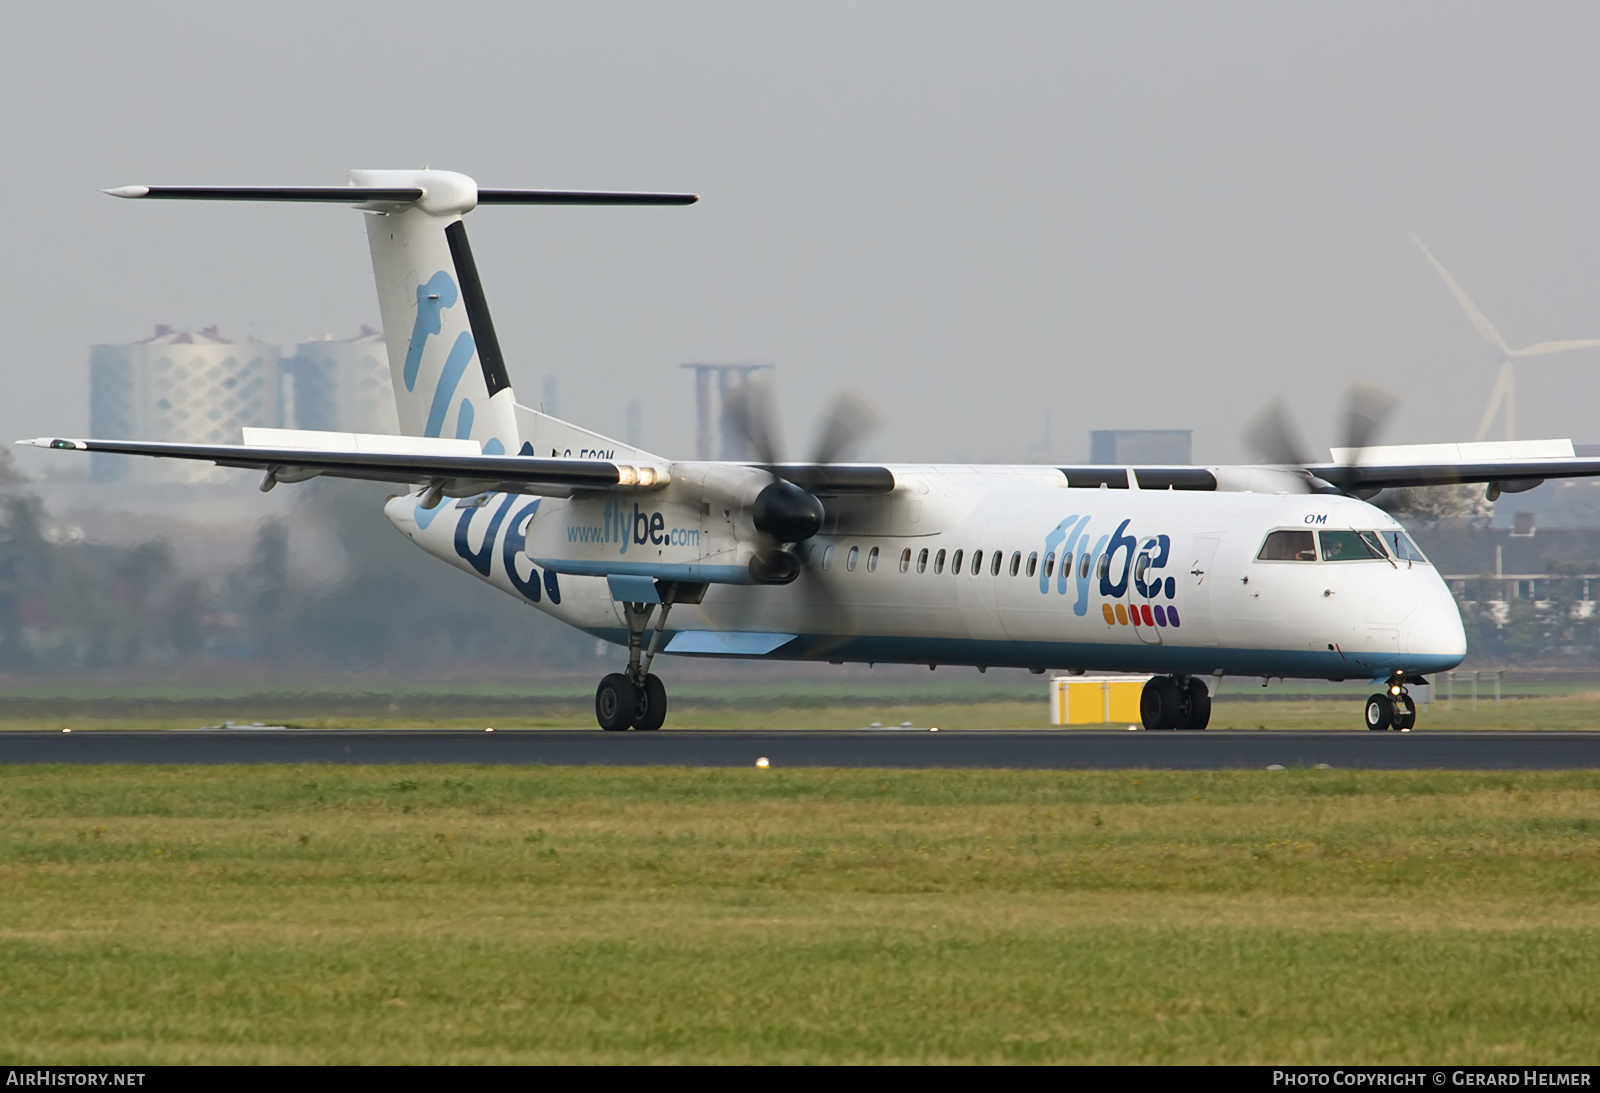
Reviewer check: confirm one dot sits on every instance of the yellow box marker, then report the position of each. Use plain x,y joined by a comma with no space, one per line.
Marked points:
1095,700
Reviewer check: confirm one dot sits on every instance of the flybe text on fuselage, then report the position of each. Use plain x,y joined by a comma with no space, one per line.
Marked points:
1119,563
622,526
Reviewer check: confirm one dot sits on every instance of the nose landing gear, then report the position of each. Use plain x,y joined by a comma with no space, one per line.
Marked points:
1392,707
637,698
1175,702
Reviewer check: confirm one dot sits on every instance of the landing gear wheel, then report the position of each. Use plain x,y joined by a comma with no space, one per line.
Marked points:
614,702
650,704
1161,704
1199,715
1405,718
1380,712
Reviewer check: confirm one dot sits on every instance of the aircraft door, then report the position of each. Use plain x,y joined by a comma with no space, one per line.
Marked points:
1148,586
1195,579
980,569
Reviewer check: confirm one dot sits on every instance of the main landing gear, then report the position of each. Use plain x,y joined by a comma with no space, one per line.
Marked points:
1392,707
636,698
1175,702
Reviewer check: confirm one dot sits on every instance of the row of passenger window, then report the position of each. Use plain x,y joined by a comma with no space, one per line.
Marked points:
1340,546
975,563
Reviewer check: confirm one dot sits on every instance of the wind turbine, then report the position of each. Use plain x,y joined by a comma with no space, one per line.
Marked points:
1502,396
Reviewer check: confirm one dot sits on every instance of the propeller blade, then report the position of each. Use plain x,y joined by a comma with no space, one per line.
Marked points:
1369,407
849,421
1273,436
747,412
1478,319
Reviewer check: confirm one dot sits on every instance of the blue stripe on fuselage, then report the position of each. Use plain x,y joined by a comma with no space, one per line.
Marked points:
1093,656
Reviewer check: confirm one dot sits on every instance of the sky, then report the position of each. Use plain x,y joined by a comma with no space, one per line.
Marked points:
993,220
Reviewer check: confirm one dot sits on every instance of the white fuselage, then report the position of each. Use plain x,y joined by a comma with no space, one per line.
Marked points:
1172,581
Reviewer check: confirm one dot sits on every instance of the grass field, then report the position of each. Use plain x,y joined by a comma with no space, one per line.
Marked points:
1556,712
314,914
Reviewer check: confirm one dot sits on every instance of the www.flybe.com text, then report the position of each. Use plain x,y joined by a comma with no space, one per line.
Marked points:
621,527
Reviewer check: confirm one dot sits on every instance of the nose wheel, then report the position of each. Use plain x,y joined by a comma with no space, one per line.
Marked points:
1391,708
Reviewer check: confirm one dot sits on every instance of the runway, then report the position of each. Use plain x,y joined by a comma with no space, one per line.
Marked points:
1072,749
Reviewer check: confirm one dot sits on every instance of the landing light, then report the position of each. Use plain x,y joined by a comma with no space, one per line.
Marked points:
1394,690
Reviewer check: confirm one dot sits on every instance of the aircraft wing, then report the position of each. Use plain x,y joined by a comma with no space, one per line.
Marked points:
456,468
1512,476
457,472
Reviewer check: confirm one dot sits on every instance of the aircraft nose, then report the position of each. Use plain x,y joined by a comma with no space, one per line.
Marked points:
1436,634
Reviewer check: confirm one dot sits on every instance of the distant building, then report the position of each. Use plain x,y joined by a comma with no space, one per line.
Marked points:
190,388
1141,446
341,385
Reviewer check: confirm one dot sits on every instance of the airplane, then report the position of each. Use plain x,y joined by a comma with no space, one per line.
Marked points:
1187,573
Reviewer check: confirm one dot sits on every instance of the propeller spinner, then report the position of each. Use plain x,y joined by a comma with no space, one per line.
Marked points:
784,513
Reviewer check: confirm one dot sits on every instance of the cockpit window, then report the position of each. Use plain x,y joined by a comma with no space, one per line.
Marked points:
1400,545
1288,546
1347,546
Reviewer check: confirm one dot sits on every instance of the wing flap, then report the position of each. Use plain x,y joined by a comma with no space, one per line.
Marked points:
1377,476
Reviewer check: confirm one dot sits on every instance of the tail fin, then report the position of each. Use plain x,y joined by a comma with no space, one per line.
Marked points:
435,319
444,359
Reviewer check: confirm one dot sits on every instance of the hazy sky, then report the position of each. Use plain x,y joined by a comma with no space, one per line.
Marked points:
1129,215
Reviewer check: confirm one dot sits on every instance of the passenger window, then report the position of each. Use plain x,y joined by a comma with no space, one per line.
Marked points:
1104,568
1083,566
922,560
977,562
1016,563
1066,563
938,562
1288,546
1346,546
850,559
1033,562
1049,565
827,558
955,562
872,560
1141,567
905,560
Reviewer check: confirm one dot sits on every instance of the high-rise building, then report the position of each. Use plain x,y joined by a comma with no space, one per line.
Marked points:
190,388
1159,447
341,385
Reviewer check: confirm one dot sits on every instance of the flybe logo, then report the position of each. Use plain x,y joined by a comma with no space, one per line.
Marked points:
433,297
623,528
1126,574
511,544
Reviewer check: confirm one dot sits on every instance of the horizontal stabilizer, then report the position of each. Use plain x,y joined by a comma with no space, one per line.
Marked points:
395,195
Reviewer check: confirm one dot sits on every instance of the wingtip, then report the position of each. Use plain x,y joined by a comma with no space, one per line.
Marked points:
128,191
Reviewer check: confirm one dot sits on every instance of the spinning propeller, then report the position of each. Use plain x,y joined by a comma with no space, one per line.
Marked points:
1272,433
785,513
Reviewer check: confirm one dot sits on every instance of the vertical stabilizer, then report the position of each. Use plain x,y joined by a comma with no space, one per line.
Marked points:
444,359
